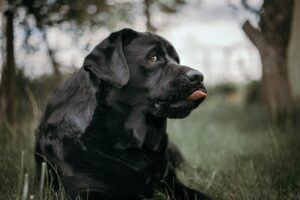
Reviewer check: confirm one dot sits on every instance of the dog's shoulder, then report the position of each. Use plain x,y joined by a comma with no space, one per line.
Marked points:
73,103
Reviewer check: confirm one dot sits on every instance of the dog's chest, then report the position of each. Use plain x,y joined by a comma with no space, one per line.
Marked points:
114,146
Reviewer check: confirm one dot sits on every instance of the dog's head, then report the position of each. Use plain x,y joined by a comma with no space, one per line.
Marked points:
143,71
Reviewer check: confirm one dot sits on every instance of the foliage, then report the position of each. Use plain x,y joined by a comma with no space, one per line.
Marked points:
91,12
253,93
225,88
33,94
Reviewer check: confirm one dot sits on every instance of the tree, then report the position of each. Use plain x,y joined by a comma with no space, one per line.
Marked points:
78,14
294,55
272,39
169,6
40,15
8,81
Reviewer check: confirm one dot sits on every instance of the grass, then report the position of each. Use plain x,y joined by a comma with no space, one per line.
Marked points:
235,153
232,151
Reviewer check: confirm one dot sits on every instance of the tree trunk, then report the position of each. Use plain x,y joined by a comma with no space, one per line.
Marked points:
8,85
294,54
56,72
272,42
275,82
149,25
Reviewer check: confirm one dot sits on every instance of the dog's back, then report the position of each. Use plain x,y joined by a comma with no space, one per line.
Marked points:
66,116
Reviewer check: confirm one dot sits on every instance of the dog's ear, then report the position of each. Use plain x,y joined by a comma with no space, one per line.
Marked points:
107,60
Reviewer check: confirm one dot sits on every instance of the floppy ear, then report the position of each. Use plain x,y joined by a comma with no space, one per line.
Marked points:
107,60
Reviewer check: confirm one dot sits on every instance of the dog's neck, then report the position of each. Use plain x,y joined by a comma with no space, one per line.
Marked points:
141,129
135,127
146,129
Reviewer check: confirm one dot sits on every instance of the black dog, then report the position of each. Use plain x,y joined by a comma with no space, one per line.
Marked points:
104,130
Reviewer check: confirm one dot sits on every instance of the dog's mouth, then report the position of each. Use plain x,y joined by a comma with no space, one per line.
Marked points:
198,94
195,96
181,106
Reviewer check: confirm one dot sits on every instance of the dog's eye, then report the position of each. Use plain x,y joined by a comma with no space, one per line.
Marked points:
153,59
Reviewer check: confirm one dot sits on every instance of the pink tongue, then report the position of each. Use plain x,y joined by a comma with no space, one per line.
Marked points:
197,95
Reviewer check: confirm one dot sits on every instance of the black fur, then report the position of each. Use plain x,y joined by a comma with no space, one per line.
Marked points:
104,129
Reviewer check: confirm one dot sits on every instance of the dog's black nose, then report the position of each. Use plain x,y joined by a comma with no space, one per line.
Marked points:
194,76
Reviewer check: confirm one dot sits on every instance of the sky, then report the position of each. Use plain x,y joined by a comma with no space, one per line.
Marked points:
207,35
211,40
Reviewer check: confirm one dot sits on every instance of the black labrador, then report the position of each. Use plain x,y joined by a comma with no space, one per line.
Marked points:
103,133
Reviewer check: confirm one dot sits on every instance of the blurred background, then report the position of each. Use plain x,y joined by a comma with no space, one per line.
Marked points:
243,142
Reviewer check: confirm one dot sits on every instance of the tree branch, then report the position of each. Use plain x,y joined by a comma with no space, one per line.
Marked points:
50,52
147,13
254,35
250,8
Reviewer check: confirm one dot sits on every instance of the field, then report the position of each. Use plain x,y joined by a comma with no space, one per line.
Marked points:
232,151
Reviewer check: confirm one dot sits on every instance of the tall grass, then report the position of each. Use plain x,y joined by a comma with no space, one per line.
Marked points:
232,151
